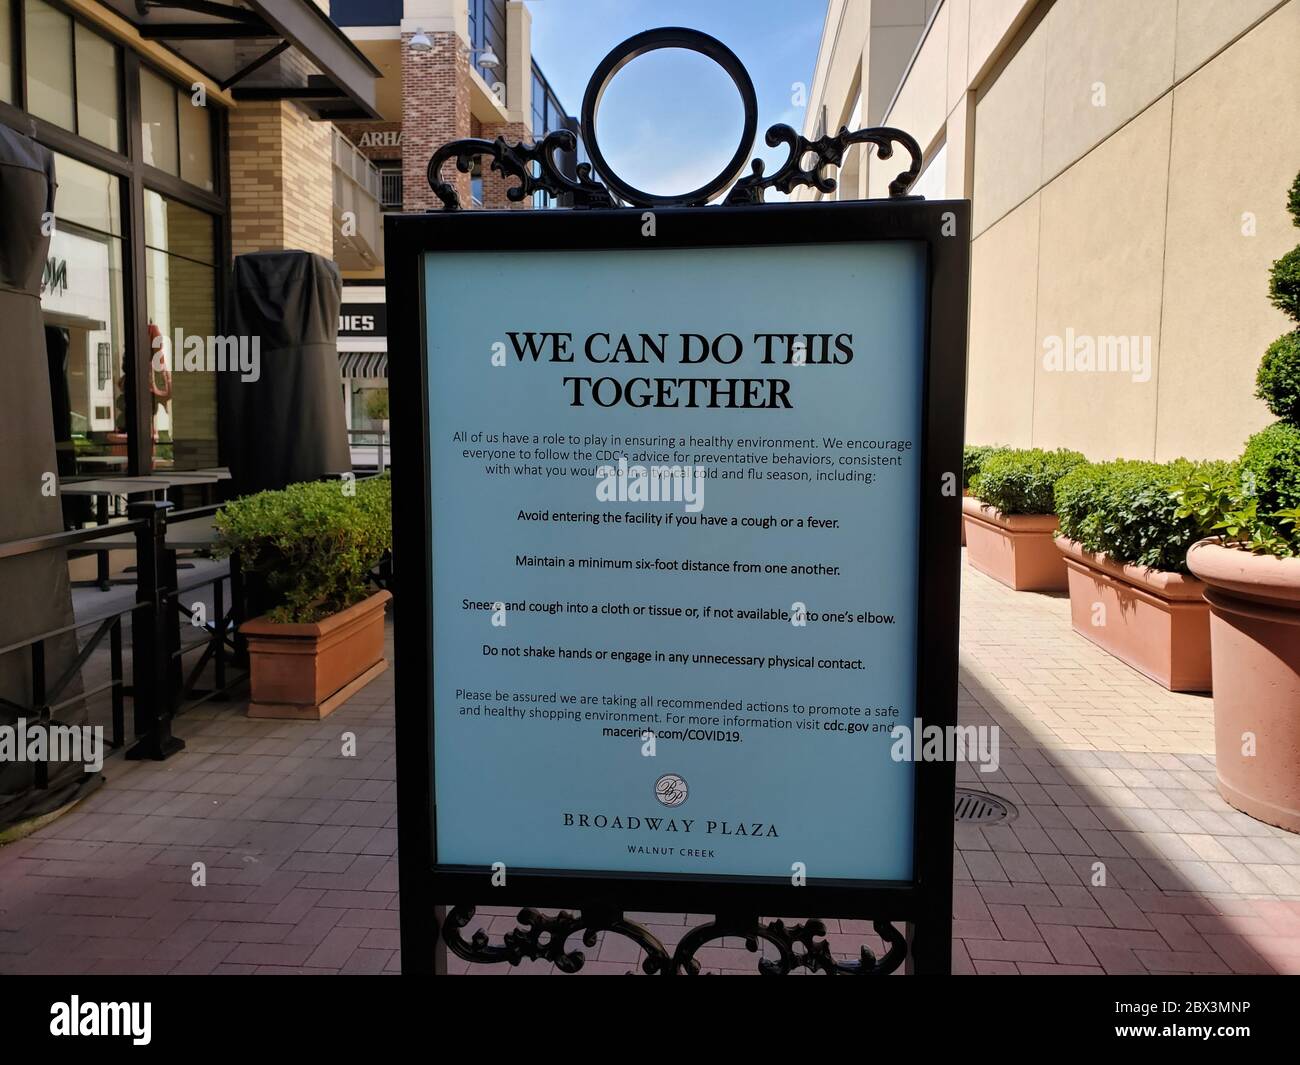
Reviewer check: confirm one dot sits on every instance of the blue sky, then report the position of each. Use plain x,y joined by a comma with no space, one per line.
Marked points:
670,119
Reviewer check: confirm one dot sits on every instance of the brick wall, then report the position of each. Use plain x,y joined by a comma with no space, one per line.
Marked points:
281,181
495,184
308,184
435,110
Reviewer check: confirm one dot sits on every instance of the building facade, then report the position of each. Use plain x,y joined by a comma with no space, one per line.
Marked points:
1128,167
184,134
451,69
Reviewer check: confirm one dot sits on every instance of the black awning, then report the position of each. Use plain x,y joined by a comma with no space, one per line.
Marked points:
263,50
363,364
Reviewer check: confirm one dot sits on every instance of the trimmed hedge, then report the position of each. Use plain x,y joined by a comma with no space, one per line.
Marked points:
312,544
1277,382
1018,481
1270,467
1284,284
1127,510
973,456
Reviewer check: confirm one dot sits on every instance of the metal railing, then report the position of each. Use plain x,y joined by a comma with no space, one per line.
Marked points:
376,438
158,689
390,197
349,159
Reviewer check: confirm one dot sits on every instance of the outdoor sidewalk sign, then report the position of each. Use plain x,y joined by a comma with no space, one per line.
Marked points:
678,521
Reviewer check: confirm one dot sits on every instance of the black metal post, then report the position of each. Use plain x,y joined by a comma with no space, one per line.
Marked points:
115,666
219,636
40,710
238,612
102,557
150,647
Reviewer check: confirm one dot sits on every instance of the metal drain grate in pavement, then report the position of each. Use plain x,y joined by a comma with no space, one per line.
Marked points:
981,808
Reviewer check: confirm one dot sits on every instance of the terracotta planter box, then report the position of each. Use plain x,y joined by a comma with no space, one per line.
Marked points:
1016,549
1155,621
305,672
1255,642
965,494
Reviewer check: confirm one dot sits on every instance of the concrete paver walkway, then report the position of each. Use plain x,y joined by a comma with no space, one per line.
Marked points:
1122,857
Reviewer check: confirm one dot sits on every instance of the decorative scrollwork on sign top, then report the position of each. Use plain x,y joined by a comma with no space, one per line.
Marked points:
533,165
543,937
829,151
536,170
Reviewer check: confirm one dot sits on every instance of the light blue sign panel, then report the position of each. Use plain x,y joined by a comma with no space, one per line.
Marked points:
772,746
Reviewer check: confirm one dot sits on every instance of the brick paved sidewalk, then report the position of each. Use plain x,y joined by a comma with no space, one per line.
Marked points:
299,842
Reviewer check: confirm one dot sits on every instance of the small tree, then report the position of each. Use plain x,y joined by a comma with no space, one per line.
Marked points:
1271,463
1262,510
377,405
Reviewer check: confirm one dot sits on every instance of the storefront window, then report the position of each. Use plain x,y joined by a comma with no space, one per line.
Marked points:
97,90
158,122
81,301
176,130
72,74
181,302
49,65
6,52
196,143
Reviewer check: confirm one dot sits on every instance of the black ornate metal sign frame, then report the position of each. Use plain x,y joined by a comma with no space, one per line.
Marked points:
599,903
535,168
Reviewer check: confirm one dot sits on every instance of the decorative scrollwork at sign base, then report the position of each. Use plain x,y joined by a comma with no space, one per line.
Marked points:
829,152
533,165
541,937
535,168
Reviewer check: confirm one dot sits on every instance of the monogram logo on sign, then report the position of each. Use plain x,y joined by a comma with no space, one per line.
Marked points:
670,789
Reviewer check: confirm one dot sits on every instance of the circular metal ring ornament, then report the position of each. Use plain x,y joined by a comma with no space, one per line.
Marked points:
651,41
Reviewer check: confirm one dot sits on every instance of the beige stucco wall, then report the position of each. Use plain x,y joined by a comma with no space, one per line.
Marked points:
1128,166
1235,150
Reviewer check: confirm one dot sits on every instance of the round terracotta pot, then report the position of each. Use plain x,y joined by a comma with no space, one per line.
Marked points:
1255,652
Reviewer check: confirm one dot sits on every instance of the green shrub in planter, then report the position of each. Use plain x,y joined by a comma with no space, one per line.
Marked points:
1127,510
1270,467
1023,481
973,456
1277,382
377,405
1284,283
1221,504
312,544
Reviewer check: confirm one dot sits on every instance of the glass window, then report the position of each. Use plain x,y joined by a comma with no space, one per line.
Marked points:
539,106
158,122
82,305
6,52
86,196
178,229
49,64
98,103
196,143
181,303
476,27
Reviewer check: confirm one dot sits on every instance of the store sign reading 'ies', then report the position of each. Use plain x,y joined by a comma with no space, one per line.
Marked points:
363,320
